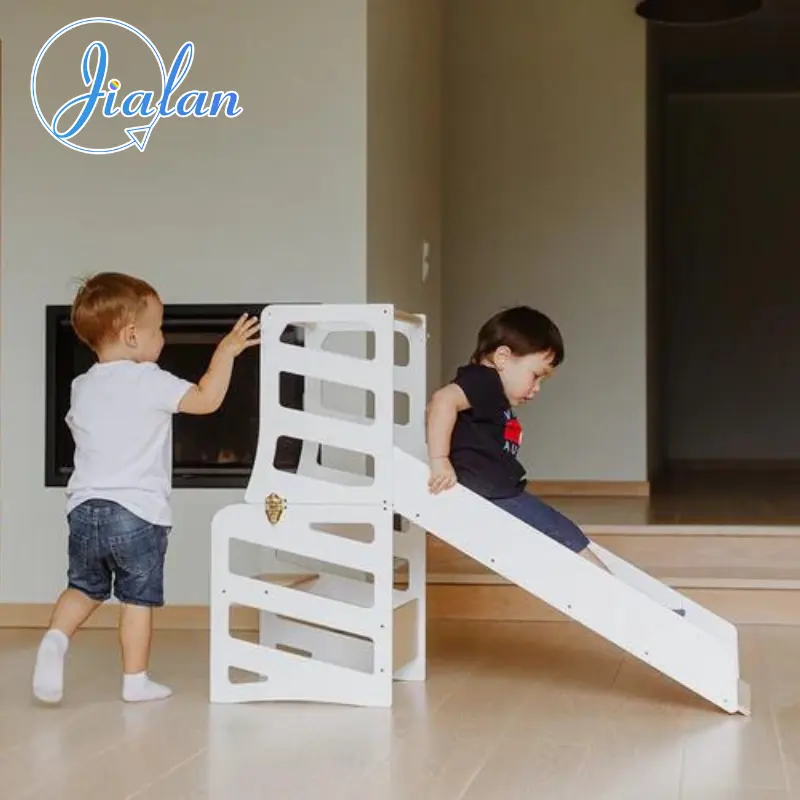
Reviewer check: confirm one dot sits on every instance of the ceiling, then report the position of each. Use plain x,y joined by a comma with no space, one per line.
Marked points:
760,53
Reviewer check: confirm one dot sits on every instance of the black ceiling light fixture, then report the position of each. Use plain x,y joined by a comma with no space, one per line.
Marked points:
696,12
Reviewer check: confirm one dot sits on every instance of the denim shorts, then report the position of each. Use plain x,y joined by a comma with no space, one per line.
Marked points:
531,510
108,544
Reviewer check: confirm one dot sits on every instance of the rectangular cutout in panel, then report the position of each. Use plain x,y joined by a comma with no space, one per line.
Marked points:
287,454
243,555
358,342
404,634
243,622
400,523
402,350
402,408
331,399
295,572
285,648
242,676
408,547
360,465
295,637
349,467
317,642
353,531
401,567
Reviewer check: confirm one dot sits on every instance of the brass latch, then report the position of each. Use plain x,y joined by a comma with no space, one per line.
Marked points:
274,506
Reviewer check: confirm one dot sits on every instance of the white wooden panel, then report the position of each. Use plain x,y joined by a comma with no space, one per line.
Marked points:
583,591
667,596
301,605
628,607
411,545
294,533
313,423
311,497
293,677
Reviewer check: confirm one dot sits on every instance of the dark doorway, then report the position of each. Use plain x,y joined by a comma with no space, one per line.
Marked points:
724,233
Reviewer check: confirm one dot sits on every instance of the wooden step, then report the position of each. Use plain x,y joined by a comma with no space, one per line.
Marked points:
691,529
769,578
754,596
695,505
287,579
711,550
508,603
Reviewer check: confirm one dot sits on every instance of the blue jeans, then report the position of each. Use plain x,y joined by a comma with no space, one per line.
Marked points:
532,511
108,544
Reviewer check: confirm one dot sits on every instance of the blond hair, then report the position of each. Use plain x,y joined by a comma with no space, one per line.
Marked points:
105,304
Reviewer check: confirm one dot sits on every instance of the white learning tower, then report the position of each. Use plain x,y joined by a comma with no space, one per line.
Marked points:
340,591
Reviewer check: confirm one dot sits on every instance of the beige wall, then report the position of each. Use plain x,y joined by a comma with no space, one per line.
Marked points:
334,166
544,185
404,164
270,206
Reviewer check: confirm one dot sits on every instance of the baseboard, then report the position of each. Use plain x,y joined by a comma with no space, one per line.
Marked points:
590,488
173,618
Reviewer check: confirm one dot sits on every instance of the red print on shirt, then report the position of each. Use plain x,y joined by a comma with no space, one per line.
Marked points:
513,431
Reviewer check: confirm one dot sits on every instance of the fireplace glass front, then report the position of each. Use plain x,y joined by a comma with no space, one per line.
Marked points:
210,451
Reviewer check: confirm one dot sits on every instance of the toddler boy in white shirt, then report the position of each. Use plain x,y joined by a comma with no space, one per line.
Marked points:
118,509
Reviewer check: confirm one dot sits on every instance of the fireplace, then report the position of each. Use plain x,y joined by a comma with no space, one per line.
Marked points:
210,451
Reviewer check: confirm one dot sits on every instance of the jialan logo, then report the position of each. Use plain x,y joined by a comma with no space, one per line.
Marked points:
105,95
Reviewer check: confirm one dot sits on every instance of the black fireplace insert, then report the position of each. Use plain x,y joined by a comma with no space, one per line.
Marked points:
213,451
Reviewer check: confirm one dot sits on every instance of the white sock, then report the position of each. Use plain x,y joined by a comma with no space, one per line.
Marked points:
48,674
139,688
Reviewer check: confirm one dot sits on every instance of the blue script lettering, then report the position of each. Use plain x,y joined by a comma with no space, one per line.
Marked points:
91,98
196,99
177,73
216,102
130,108
108,107
97,93
106,95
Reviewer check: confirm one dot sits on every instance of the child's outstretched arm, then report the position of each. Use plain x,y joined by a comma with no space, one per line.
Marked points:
207,396
442,411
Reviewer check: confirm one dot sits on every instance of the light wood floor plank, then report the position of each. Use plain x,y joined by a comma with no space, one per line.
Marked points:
510,710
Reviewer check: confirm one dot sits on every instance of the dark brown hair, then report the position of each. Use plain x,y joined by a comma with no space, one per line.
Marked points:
523,330
105,303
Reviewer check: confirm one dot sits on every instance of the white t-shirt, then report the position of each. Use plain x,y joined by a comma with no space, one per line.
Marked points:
121,421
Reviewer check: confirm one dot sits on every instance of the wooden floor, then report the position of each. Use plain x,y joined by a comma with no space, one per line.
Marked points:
510,710
698,498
